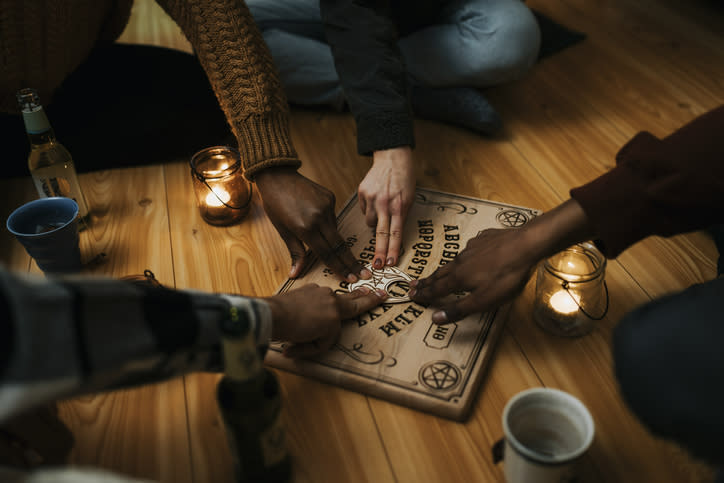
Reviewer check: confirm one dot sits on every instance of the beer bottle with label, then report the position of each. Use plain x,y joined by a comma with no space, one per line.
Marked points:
50,163
250,406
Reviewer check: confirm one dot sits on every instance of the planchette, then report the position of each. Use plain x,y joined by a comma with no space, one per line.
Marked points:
390,279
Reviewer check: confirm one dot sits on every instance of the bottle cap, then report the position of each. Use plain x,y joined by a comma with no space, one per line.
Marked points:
28,99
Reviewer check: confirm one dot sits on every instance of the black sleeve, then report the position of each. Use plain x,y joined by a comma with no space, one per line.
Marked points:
363,38
659,186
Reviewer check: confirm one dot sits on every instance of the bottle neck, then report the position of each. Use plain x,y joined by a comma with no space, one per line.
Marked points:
38,127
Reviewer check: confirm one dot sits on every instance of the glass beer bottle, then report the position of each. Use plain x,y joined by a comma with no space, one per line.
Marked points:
50,163
250,405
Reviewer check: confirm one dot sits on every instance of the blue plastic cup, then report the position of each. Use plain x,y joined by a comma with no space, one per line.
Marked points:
48,229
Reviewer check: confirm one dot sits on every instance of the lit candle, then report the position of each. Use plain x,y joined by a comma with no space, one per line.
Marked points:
217,197
222,193
565,302
569,288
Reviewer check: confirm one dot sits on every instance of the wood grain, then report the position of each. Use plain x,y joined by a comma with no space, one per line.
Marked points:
150,25
647,65
422,447
140,432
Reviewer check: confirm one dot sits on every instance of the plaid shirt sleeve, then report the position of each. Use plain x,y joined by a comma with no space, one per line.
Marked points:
64,337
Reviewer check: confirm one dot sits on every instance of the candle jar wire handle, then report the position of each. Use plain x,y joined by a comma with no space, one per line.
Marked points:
216,195
565,286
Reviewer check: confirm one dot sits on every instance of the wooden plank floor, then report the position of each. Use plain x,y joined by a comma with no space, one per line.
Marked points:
646,65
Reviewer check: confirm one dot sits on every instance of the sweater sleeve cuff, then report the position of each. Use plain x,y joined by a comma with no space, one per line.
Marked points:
265,142
384,131
614,203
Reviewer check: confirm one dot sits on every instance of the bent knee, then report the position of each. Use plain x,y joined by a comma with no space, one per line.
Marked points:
503,43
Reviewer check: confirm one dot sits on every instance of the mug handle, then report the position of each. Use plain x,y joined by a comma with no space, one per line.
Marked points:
498,450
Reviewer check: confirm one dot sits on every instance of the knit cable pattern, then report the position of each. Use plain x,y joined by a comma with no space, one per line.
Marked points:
243,76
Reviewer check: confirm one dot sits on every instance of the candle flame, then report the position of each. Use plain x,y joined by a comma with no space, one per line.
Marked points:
217,197
565,302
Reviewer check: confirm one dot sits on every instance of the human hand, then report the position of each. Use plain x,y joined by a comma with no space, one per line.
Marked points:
312,328
497,263
493,267
385,196
303,212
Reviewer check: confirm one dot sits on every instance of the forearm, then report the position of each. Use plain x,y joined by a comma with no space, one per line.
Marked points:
75,336
553,231
241,71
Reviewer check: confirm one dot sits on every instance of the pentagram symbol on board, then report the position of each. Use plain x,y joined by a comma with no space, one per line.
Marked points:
439,375
512,218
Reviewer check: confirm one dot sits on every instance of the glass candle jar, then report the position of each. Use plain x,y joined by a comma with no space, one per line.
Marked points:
222,193
571,292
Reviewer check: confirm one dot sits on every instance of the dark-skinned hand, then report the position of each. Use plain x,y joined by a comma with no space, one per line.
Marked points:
303,213
310,317
497,263
493,267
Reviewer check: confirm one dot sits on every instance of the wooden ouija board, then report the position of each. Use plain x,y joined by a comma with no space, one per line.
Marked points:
395,351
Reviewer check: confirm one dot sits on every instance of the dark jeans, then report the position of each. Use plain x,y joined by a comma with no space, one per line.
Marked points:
126,105
669,358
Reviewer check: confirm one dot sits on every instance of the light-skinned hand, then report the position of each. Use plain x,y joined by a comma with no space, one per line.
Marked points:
385,196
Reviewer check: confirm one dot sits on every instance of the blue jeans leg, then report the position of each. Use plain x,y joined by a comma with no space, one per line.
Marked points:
294,32
478,43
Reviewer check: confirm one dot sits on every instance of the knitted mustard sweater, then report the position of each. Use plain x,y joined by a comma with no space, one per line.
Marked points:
43,41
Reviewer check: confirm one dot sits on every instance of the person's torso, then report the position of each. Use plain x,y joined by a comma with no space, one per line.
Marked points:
43,41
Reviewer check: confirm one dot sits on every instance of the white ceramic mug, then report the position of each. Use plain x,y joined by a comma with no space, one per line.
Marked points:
545,432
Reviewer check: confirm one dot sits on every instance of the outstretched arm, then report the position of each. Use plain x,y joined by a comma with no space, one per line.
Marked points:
241,70
364,38
61,338
496,264
658,187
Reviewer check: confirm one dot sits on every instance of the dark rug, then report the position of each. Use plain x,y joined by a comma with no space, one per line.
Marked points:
555,37
132,105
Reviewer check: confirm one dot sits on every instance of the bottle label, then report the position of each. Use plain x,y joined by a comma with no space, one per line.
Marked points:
241,360
60,181
273,443
36,122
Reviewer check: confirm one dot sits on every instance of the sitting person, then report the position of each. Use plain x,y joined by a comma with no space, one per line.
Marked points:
154,333
667,353
365,54
386,60
114,105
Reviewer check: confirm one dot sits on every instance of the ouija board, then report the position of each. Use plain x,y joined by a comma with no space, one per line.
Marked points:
395,352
